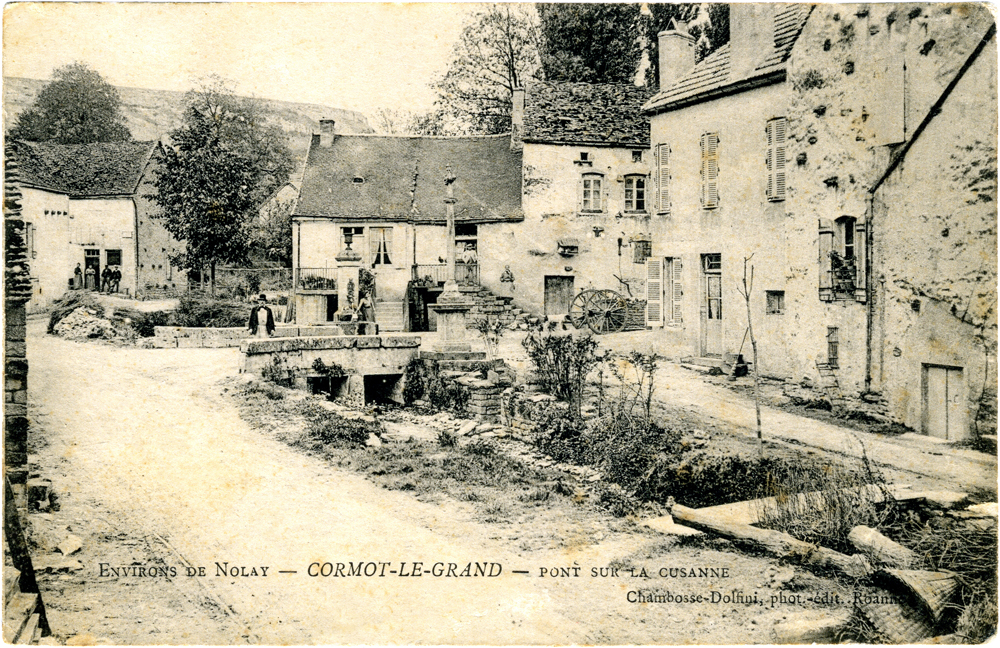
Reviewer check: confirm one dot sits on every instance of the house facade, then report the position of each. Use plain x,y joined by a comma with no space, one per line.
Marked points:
813,152
88,205
386,195
587,197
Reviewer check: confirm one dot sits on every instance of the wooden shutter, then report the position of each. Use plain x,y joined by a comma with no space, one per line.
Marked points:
710,170
825,269
777,130
861,259
676,292
654,292
663,178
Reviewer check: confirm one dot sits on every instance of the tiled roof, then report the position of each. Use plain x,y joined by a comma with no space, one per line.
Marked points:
82,170
602,114
372,177
713,73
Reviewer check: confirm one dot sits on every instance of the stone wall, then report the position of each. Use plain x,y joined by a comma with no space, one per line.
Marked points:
15,393
358,355
171,337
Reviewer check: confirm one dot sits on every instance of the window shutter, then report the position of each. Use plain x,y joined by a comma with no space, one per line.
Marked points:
777,130
579,193
654,292
677,291
710,170
825,269
605,190
663,178
861,257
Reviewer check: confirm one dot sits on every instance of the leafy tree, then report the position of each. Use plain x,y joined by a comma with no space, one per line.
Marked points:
77,107
708,23
225,160
497,52
591,42
272,236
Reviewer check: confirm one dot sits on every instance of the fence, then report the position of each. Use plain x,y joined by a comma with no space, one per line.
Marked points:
466,274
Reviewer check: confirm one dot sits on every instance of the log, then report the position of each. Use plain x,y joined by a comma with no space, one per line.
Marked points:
777,543
811,627
881,548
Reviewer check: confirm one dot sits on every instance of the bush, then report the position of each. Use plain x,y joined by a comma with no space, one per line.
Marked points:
267,390
143,323
277,372
413,381
202,311
563,363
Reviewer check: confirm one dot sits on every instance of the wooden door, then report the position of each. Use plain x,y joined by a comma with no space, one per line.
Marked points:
558,295
711,309
943,410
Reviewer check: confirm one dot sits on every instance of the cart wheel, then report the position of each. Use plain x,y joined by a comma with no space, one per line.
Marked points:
578,309
607,312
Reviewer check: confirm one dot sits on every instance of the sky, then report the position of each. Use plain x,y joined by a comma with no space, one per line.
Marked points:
358,56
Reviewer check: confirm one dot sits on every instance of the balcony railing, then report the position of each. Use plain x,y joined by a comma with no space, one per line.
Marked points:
317,279
466,274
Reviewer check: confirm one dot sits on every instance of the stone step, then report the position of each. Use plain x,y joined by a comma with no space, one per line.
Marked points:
460,365
389,315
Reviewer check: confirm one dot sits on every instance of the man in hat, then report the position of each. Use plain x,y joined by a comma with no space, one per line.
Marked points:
261,313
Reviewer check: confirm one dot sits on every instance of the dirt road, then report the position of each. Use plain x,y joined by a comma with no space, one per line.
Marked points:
157,469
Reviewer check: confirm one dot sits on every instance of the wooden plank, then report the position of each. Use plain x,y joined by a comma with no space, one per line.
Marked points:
881,548
27,635
780,544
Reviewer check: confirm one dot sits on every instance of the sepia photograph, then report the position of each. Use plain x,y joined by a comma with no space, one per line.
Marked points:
499,323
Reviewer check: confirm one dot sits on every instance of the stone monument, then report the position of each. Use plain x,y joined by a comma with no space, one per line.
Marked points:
452,306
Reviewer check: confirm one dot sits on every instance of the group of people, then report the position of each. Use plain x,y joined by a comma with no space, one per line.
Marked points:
261,320
111,277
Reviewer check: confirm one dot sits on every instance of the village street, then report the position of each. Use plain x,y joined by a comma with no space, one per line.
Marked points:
154,468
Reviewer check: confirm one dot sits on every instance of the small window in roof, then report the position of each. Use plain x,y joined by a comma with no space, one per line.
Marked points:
358,180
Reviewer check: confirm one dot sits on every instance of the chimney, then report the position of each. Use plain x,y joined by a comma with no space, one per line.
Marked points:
517,119
326,132
751,36
676,47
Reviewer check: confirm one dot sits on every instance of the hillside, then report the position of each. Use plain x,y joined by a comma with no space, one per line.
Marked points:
151,114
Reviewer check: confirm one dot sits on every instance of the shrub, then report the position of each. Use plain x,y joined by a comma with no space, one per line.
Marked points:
616,500
277,373
202,311
563,363
144,324
413,381
333,370
267,390
332,429
447,439
446,395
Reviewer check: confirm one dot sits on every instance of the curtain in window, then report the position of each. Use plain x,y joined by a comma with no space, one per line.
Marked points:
383,246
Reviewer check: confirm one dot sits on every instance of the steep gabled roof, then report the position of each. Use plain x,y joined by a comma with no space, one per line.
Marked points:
597,114
712,76
380,178
83,170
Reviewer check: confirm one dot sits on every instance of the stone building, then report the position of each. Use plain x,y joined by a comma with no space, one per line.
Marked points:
587,196
849,152
88,204
386,195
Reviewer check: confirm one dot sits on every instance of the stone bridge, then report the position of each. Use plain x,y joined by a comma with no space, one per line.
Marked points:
373,364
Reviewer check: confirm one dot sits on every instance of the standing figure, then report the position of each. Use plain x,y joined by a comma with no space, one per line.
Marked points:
261,314
366,312
91,275
116,277
77,277
106,279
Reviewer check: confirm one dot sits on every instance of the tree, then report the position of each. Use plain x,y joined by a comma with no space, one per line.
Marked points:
496,53
708,23
591,42
77,107
272,236
224,161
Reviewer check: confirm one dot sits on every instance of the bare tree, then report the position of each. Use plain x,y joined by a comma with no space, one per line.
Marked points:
746,292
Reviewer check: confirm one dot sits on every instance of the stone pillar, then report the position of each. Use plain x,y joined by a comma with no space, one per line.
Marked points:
451,306
348,276
16,296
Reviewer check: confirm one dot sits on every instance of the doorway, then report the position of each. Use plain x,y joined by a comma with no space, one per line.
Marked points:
711,308
331,307
558,295
92,260
943,400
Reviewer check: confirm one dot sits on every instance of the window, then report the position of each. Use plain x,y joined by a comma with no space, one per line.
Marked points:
592,198
357,235
381,245
775,302
584,156
842,259
114,257
642,250
710,170
832,347
637,156
663,292
635,194
776,158
663,178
